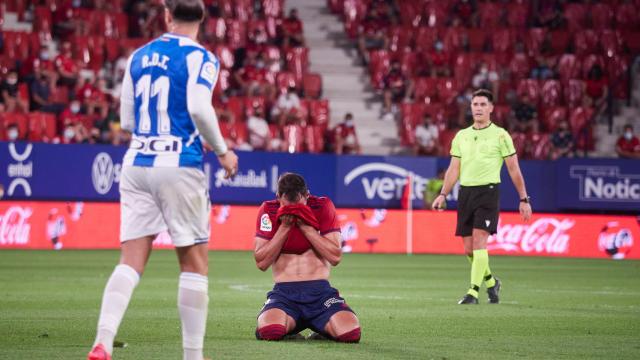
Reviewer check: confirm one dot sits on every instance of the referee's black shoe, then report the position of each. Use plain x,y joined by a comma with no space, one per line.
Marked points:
468,299
493,292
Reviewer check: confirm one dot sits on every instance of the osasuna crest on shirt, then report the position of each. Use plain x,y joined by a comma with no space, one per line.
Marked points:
163,72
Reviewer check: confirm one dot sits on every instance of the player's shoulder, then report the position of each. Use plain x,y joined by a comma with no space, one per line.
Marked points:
318,202
270,207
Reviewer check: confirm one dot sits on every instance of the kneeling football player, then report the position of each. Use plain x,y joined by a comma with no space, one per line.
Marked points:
298,236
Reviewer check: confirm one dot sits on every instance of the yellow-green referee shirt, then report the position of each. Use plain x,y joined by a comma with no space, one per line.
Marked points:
481,153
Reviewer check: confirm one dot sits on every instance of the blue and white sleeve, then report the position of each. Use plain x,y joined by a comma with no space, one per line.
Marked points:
127,100
203,74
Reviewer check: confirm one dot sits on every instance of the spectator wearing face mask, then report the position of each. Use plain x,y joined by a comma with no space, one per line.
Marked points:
628,145
485,79
9,95
437,61
13,133
71,114
346,139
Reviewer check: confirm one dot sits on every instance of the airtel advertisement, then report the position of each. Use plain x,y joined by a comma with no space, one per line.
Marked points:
78,225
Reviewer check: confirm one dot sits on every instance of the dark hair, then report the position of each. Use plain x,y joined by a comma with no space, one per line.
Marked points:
186,10
484,93
291,186
628,126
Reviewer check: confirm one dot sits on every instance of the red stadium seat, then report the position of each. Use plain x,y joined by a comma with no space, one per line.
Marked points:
425,39
477,39
580,122
517,14
319,112
627,16
632,41
446,137
43,19
553,116
503,40
60,95
551,93
20,120
216,27
618,70
293,138
463,68
438,114
520,66
243,9
42,127
225,55
272,53
273,8
400,38
447,90
542,146
611,42
297,61
410,13
236,107
560,40
489,15
434,14
252,102
575,14
586,42
452,39
569,67
530,87
533,40
314,138
519,142
224,82
501,114
284,80
312,85
379,64
590,61
425,90
236,33
601,16
574,92
410,114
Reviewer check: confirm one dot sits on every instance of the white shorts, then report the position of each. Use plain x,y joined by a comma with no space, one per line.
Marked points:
153,200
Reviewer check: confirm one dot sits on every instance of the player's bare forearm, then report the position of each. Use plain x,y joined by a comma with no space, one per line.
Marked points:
267,251
326,246
451,176
516,175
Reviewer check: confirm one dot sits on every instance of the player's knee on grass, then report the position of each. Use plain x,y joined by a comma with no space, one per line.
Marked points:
352,336
272,332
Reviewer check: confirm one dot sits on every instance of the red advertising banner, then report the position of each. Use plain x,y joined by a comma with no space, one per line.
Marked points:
69,225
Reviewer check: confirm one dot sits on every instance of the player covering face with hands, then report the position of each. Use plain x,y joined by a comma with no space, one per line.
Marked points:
477,154
298,236
166,104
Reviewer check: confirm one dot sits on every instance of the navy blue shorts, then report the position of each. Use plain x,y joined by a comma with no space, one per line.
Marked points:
310,303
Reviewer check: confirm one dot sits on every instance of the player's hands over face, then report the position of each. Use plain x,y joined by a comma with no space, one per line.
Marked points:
438,203
229,162
288,220
525,211
304,227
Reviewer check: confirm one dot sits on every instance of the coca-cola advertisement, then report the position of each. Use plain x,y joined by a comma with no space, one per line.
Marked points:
77,225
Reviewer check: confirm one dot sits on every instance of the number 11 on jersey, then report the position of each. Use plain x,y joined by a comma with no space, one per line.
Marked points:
147,90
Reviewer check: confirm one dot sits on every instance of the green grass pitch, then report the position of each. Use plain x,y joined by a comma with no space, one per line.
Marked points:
552,308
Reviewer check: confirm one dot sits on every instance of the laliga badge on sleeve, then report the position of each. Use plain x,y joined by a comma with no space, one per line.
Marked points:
208,72
265,223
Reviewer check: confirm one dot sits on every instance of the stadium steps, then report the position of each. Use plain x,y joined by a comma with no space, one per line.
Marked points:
345,83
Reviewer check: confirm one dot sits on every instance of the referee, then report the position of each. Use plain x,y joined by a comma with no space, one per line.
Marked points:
477,153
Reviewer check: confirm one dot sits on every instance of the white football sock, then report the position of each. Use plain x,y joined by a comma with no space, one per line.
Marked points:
115,300
193,300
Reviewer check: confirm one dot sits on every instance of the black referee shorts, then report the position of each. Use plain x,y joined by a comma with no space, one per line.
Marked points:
478,208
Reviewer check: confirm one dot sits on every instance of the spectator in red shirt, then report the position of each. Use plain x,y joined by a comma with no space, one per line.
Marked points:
292,34
251,78
66,66
92,98
396,87
72,114
439,61
346,139
596,86
628,145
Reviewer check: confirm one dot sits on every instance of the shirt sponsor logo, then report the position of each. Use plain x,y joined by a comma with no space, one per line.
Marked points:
104,173
606,183
21,171
156,144
265,223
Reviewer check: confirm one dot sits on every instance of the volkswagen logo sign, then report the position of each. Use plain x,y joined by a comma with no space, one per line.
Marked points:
102,173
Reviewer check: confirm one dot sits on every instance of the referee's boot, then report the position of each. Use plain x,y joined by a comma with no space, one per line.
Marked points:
468,299
494,292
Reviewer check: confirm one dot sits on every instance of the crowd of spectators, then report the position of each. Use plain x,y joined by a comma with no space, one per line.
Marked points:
552,65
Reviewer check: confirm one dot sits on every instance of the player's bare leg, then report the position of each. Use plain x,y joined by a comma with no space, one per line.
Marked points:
117,294
344,327
193,298
274,324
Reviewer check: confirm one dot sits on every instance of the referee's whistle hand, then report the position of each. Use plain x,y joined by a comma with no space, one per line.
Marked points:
525,211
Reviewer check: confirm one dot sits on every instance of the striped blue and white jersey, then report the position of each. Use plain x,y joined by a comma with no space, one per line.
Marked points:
162,80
